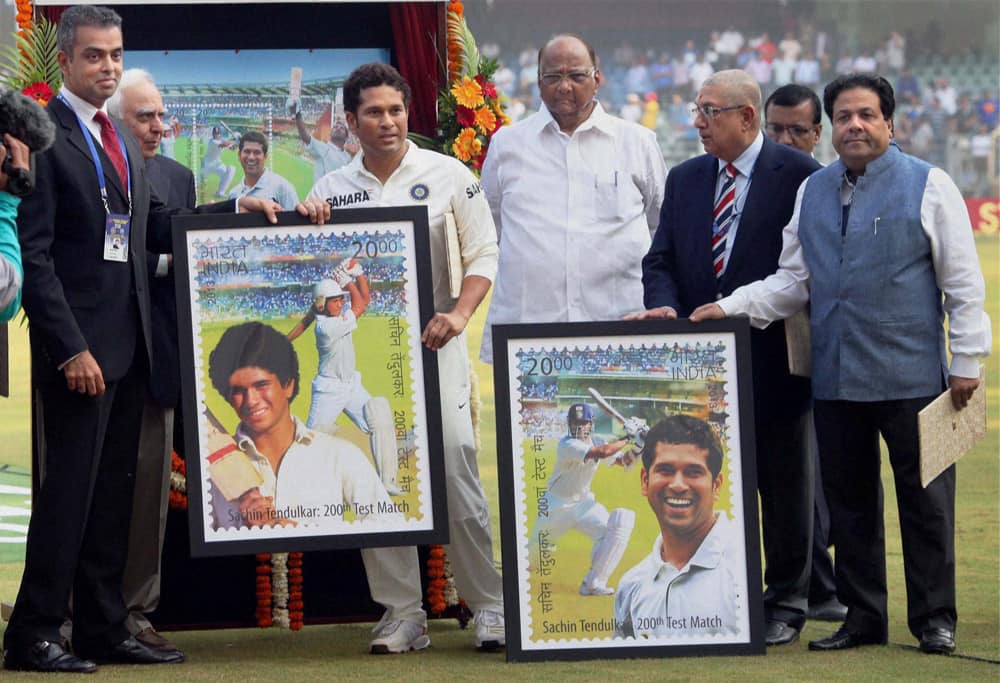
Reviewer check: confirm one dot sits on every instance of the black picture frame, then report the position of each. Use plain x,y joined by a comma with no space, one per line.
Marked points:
646,369
236,268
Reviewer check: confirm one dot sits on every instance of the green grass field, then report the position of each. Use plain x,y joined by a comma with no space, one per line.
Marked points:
323,652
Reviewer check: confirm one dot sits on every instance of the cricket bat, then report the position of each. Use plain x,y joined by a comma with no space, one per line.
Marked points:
229,467
295,83
605,406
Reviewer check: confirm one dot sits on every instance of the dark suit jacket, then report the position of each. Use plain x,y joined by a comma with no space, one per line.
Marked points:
174,184
74,299
677,271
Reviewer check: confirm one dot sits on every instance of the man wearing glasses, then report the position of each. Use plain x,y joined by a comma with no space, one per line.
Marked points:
792,115
563,183
721,222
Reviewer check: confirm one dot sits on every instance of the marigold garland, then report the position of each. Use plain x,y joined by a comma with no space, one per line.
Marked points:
25,14
178,483
264,593
296,604
436,583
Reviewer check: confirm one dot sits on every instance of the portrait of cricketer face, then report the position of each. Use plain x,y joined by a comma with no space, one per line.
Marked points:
681,482
687,586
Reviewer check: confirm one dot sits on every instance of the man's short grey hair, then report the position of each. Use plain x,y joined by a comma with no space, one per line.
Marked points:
83,15
130,78
739,87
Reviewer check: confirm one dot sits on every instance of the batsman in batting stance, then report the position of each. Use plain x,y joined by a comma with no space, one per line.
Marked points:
337,386
569,503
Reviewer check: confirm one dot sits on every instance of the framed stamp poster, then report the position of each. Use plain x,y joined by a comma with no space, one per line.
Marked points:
311,409
627,489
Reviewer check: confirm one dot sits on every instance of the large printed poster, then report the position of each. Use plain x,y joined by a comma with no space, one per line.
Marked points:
628,511
307,419
291,97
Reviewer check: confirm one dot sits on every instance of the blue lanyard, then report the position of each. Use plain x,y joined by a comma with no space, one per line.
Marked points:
89,137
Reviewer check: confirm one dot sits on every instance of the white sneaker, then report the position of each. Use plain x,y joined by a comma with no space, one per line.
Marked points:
593,589
392,489
490,631
396,637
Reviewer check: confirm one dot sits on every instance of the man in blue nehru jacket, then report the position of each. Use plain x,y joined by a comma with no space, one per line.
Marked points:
883,250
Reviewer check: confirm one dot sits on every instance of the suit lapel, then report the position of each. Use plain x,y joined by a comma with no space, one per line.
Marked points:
75,135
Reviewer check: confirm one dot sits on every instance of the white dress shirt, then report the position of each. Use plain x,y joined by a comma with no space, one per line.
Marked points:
575,214
945,221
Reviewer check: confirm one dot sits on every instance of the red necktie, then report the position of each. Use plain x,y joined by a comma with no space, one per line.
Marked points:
723,215
112,147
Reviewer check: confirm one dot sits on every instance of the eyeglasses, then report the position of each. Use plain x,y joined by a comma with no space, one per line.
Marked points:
553,78
712,112
775,130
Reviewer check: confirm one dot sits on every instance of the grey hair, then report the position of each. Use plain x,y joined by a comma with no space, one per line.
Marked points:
740,87
130,78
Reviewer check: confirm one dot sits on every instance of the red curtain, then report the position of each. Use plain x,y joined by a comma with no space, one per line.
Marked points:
416,31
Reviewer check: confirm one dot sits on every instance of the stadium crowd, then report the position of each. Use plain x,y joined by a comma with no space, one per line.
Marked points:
951,126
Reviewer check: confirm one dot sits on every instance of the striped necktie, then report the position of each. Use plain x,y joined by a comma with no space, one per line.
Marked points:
109,139
722,216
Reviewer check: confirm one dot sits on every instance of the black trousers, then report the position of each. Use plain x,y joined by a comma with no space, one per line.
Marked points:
78,533
785,467
822,580
848,434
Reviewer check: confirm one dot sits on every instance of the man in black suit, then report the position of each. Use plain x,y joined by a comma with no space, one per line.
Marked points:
698,256
138,103
89,312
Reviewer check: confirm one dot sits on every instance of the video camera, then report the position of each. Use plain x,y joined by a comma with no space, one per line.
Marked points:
24,119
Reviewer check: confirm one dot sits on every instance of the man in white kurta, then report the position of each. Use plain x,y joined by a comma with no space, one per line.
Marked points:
576,195
391,171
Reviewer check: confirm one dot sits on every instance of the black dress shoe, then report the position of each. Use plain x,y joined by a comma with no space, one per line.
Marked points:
937,641
131,651
828,610
844,639
777,632
46,656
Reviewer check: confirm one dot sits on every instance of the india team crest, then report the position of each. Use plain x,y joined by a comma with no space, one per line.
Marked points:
419,192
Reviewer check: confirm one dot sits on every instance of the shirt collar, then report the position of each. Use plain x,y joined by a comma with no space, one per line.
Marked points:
744,163
84,109
709,554
357,165
599,119
303,435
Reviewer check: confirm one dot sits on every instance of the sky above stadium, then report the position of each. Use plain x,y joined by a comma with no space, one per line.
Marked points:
250,67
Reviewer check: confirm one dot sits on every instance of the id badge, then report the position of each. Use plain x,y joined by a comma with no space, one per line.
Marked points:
116,235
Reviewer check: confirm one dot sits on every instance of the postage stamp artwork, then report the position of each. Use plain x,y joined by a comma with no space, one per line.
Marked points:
612,440
334,301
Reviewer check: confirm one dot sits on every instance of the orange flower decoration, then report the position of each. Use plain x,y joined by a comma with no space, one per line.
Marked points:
468,93
25,12
466,145
486,120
